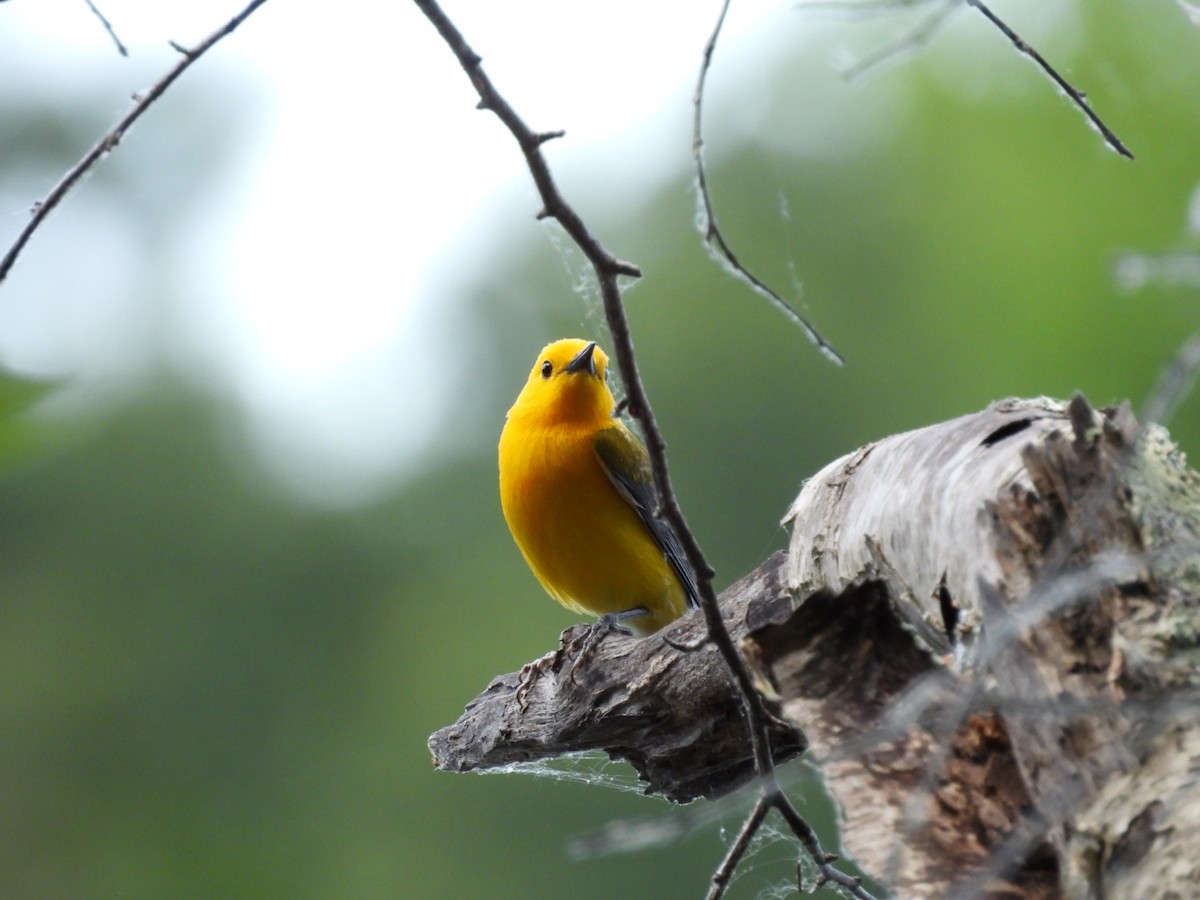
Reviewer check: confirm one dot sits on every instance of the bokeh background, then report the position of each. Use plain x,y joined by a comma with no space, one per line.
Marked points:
251,552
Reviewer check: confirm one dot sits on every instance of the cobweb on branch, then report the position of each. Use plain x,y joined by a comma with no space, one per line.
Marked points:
579,275
772,867
593,768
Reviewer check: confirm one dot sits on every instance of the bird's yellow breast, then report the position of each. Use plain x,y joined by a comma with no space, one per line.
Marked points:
580,536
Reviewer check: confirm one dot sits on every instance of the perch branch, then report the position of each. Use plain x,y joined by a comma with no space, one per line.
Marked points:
45,206
675,717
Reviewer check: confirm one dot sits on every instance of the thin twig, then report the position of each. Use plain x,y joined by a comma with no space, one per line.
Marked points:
714,238
109,141
607,266
928,27
724,873
107,27
609,270
771,793
1065,86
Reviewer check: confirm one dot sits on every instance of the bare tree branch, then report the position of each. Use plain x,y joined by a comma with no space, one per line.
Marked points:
929,26
608,271
45,206
1075,95
724,873
121,48
714,238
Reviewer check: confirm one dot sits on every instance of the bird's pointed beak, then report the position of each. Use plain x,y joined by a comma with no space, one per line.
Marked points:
583,361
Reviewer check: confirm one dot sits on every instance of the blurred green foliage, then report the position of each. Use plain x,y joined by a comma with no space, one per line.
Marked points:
208,689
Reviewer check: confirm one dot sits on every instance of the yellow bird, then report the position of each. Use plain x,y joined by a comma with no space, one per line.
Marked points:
577,493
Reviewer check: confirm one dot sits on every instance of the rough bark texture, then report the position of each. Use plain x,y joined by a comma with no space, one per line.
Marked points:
672,713
986,631
1041,558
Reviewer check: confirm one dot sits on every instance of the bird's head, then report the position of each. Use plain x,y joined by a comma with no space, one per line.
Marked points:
569,382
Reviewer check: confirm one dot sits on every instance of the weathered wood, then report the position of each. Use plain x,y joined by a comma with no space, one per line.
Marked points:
987,631
1015,595
672,713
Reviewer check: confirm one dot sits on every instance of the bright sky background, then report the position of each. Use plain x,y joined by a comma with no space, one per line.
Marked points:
326,270
337,239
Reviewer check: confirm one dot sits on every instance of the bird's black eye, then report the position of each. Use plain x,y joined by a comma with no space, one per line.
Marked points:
547,369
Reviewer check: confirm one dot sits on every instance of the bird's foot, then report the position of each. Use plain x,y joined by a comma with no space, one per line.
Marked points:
613,621
610,622
531,672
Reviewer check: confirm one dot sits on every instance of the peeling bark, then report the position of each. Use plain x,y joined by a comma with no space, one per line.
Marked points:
1043,558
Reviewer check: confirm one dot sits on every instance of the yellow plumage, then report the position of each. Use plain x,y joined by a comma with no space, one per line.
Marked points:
576,490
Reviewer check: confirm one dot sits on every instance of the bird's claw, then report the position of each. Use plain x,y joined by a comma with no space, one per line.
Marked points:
531,672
